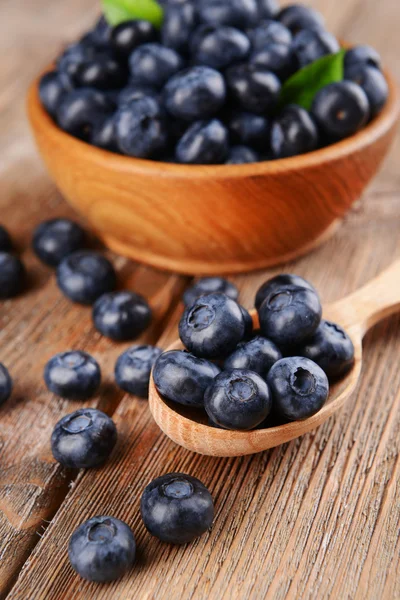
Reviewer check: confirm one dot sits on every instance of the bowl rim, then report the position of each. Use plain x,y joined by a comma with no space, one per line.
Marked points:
378,127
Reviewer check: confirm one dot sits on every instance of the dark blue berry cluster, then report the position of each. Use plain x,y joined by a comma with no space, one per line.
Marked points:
206,87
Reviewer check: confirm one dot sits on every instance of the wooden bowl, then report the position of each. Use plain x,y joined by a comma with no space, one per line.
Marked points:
213,219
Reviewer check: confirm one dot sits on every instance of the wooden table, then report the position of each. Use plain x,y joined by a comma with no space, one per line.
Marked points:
315,518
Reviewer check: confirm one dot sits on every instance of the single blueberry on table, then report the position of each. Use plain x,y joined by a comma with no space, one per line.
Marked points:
236,13
290,315
121,316
101,73
275,283
340,109
212,327
81,111
277,58
299,388
74,375
178,24
6,244
269,32
297,16
53,88
84,276
249,129
12,275
195,93
83,439
311,44
331,348
102,549
220,47
258,355
133,368
6,384
238,399
361,56
128,35
183,378
210,285
240,155
55,239
267,9
293,132
253,88
154,64
204,143
140,127
374,84
177,508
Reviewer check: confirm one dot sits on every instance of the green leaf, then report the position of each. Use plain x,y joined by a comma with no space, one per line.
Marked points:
302,86
118,11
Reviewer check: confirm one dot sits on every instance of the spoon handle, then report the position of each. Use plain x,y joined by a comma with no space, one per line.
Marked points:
370,304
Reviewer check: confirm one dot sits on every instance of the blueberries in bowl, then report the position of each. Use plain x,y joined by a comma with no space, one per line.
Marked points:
154,64
55,239
210,285
128,35
121,316
220,47
84,276
177,508
293,132
133,368
204,143
102,549
74,375
140,127
81,110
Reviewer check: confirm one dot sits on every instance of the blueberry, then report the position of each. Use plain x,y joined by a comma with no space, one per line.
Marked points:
289,315
74,375
240,155
248,323
53,89
102,549
331,348
311,44
140,128
293,132
102,73
236,13
101,32
183,378
6,244
104,135
275,283
238,399
274,57
205,142
249,129
133,367
221,47
12,275
212,327
128,35
6,384
269,32
258,355
362,56
177,508
85,276
340,109
154,64
135,90
178,25
121,316
268,9
74,56
374,84
209,285
254,88
81,111
55,239
195,93
298,16
299,388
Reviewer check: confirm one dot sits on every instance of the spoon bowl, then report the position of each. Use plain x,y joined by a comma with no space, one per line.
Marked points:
356,313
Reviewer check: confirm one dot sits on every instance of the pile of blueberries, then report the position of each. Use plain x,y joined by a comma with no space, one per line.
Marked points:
206,87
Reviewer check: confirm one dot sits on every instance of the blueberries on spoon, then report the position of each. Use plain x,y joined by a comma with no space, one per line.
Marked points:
6,244
140,128
248,323
73,375
210,285
102,549
258,355
128,35
85,276
154,64
177,508
6,384
121,316
293,132
275,283
183,378
204,143
133,367
238,399
55,239
299,388
83,439
12,275
212,327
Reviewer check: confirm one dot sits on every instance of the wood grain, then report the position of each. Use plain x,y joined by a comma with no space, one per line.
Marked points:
316,518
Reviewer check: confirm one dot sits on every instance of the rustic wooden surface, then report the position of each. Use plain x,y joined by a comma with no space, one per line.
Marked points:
316,518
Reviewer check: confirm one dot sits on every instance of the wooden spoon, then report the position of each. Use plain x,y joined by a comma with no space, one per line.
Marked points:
356,313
